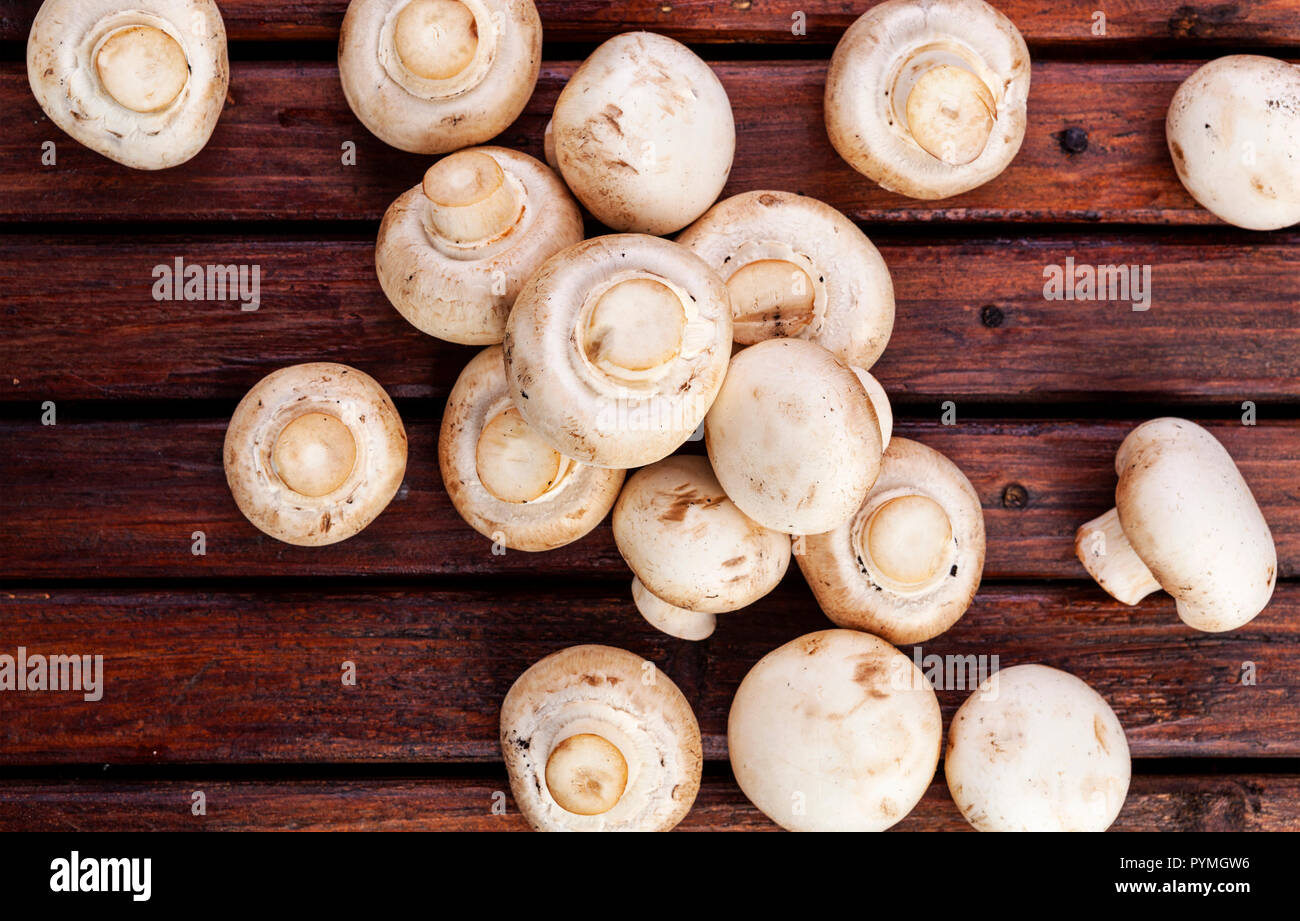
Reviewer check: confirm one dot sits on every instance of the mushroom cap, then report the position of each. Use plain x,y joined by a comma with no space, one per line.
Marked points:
1234,131
435,114
831,265
835,731
557,335
1036,749
278,400
793,437
64,57
569,508
643,134
884,52
1191,518
688,543
463,292
670,619
627,701
839,567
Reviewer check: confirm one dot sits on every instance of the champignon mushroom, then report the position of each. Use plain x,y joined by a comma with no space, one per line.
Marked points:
314,453
834,731
454,251
503,479
598,739
643,134
1185,521
927,97
909,563
1036,749
1234,130
140,82
432,76
690,547
797,267
793,437
616,348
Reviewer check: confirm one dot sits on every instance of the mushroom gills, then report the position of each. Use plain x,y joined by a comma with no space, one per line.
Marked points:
142,67
436,39
514,463
586,774
471,198
314,454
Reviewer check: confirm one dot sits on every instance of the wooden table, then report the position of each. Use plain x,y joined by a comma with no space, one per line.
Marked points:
223,669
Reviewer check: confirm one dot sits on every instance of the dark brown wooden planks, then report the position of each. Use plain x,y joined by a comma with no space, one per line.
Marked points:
277,152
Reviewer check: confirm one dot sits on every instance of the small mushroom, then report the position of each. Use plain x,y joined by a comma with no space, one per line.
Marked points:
314,453
1185,521
908,564
1233,130
454,251
793,436
1036,749
797,267
691,549
927,97
616,348
504,480
432,76
835,731
643,134
598,739
140,82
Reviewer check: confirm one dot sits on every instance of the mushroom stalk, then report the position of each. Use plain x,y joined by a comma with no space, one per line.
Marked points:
682,623
471,198
1111,560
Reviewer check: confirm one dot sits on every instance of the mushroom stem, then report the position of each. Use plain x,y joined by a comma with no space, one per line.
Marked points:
513,463
436,39
142,68
586,774
880,403
1110,559
950,113
635,327
907,542
770,297
548,146
314,454
471,198
668,618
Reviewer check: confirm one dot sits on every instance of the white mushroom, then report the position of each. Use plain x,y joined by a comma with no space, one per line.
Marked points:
1036,749
909,563
797,267
616,348
643,134
432,76
835,731
927,97
314,453
503,479
454,251
141,82
597,739
1185,521
670,619
1234,135
793,437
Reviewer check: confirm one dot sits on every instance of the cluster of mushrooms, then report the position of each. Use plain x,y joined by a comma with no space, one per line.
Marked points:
757,325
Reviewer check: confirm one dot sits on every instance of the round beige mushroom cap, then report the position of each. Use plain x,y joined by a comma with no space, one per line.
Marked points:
142,82
908,564
797,267
794,438
835,731
598,739
643,134
454,251
1036,749
1185,521
503,479
432,76
1234,135
314,453
616,348
927,97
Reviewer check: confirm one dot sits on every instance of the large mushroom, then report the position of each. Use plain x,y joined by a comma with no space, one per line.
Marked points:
1185,521
432,76
616,348
454,251
927,97
643,134
835,731
598,739
1234,135
1036,749
142,82
314,453
908,564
